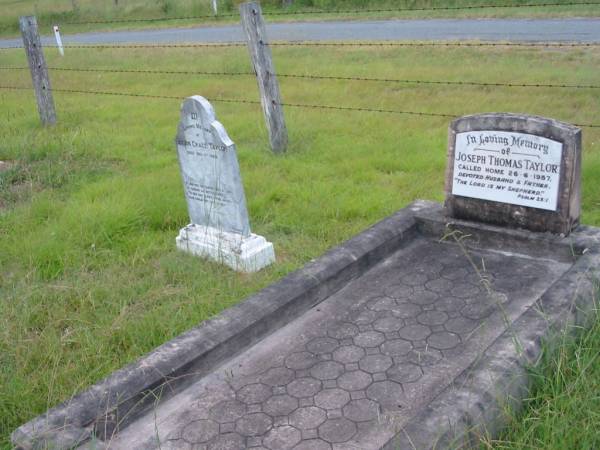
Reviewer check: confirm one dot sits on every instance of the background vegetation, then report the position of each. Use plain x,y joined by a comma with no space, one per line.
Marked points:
65,12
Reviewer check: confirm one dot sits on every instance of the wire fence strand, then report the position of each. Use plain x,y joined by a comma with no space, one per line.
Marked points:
336,11
256,102
432,8
139,71
140,46
322,77
430,44
326,44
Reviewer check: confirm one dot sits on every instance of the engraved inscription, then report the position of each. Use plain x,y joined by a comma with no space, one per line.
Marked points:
210,170
208,194
508,167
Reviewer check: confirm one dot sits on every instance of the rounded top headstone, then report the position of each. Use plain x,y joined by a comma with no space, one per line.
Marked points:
210,169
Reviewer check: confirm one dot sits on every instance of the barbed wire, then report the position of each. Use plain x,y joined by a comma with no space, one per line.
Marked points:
361,109
324,77
441,82
327,44
78,91
150,19
255,102
139,71
138,46
335,11
430,44
431,8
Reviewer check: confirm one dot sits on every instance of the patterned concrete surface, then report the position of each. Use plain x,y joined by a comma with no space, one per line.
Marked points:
349,373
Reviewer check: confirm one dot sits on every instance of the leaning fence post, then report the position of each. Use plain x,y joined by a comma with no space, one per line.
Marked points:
39,71
260,53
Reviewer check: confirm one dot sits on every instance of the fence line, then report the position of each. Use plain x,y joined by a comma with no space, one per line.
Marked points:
430,44
323,77
142,71
339,11
440,82
432,8
327,44
149,19
256,102
263,44
138,46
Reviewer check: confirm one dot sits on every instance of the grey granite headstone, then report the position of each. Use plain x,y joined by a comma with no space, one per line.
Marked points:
514,170
213,188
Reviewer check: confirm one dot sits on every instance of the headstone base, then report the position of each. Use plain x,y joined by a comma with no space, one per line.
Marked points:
243,254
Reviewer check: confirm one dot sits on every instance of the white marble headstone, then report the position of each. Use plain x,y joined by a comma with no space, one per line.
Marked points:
213,188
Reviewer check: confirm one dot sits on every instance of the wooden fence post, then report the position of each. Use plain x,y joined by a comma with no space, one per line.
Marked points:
39,71
260,53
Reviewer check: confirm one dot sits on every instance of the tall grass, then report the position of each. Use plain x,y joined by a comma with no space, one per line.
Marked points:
562,410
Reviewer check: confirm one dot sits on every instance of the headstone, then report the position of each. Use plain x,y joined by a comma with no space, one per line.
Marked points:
514,170
210,172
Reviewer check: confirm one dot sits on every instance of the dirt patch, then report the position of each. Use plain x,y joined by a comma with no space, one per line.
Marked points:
5,165
8,190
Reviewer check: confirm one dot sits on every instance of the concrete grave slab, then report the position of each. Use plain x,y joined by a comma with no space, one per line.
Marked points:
407,336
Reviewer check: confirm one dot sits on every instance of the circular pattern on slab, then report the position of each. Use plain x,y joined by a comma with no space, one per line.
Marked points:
361,410
355,380
405,372
386,393
282,438
332,398
304,387
369,339
199,431
327,370
308,417
322,345
337,430
348,354
254,424
280,405
300,360
254,393
375,363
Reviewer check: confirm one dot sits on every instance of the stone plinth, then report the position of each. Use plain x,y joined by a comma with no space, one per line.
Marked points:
242,253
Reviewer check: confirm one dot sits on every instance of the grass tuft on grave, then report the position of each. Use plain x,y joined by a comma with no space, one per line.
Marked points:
562,409
90,209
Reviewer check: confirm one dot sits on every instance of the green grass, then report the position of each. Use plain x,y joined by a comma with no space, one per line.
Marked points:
62,12
90,276
563,408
